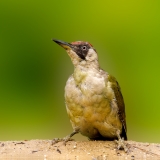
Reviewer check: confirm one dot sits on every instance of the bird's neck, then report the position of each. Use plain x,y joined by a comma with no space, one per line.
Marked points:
81,71
86,65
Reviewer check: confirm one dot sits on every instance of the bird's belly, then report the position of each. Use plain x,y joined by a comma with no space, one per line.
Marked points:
91,113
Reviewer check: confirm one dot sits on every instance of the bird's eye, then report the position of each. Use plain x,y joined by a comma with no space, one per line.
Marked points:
84,48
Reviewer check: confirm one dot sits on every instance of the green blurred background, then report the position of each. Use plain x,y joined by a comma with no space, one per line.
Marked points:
34,70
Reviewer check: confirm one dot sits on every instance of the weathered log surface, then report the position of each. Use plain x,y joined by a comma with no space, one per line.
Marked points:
77,150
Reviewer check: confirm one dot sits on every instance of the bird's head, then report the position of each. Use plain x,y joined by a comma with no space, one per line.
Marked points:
81,53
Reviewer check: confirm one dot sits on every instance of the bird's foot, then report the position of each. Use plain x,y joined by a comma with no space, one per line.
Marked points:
65,139
56,140
121,145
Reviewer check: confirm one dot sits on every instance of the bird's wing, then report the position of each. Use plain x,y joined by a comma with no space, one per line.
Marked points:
120,103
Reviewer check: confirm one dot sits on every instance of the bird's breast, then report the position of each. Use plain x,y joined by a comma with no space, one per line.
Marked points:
87,105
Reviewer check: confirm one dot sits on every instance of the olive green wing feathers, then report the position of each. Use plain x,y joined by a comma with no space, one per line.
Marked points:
120,103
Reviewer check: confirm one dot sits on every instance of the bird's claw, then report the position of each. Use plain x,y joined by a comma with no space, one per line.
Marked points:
56,140
64,140
121,145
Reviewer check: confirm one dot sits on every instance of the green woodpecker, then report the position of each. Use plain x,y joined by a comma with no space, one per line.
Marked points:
93,98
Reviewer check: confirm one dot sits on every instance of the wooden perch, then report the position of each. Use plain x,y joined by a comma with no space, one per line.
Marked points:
77,150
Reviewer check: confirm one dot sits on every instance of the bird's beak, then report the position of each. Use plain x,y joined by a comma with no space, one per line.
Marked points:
65,45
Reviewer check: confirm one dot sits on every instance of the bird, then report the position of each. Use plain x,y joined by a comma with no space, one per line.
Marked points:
93,97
